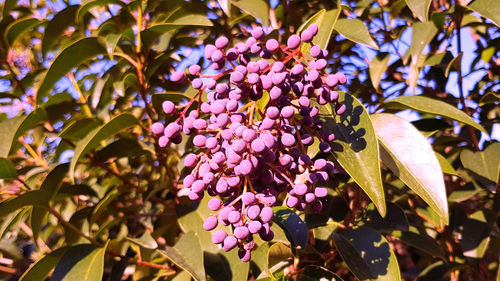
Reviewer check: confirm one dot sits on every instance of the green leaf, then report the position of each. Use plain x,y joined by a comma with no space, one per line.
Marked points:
356,31
475,233
226,266
29,198
7,169
82,262
49,188
92,140
84,8
445,165
188,255
159,98
432,106
295,229
8,6
378,66
315,273
72,56
407,153
19,27
488,9
455,64
420,8
355,146
56,26
146,241
326,21
41,269
422,35
258,9
367,254
490,97
277,256
484,163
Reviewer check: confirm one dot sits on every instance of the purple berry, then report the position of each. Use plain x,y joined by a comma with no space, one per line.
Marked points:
210,223
254,226
168,107
234,217
293,41
218,236
229,243
272,45
266,214
157,128
178,76
241,232
214,204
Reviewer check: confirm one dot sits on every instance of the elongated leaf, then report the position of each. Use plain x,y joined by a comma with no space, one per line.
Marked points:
356,147
83,262
49,189
420,8
490,97
488,9
41,269
8,6
84,8
432,106
277,254
445,165
410,157
13,128
188,255
31,198
120,122
422,35
72,56
356,31
295,229
57,25
378,66
420,241
484,163
258,9
7,169
367,254
19,27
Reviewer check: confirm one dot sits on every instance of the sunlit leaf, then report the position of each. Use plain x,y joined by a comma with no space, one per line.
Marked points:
83,262
407,153
420,8
188,255
355,30
258,9
41,269
484,163
56,26
488,9
378,66
19,27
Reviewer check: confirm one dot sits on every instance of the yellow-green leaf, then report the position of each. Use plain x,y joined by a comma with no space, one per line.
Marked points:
83,262
356,31
432,106
420,8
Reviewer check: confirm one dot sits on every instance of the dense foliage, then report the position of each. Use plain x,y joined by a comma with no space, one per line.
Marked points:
241,139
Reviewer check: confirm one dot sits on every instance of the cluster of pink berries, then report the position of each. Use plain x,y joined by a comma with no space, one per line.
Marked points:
249,157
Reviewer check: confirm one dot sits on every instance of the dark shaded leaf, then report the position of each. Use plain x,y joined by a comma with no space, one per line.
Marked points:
56,26
315,273
484,163
19,27
7,169
41,269
188,255
295,229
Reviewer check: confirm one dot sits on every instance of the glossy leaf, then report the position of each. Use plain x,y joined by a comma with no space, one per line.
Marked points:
7,169
188,255
277,255
484,163
14,127
355,146
432,106
356,31
82,262
488,9
420,8
455,64
258,9
41,269
19,27
326,21
378,66
394,220
407,153
92,140
72,56
294,227
367,254
56,26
